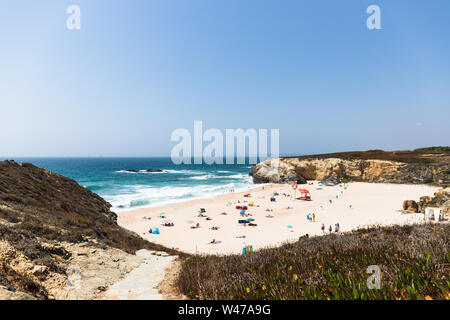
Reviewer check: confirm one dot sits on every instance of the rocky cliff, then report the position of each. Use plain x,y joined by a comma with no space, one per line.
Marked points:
370,170
51,228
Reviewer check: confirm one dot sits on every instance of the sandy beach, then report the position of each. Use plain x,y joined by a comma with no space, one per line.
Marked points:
353,205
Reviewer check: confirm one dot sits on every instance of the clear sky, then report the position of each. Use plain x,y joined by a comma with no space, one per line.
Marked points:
137,70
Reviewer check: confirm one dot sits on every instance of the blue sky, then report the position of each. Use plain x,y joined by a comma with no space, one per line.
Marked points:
137,70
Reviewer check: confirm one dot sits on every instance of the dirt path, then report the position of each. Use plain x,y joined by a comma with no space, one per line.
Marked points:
149,281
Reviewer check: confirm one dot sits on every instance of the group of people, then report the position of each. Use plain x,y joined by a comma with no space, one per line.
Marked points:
311,217
337,227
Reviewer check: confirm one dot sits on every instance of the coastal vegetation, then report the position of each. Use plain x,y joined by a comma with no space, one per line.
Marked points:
434,154
414,263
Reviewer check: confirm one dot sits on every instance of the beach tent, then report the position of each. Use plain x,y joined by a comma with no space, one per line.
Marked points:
304,194
273,199
242,212
202,210
155,231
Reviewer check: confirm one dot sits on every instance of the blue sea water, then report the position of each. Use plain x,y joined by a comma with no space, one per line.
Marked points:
124,190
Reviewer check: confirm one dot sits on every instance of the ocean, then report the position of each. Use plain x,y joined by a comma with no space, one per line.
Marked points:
109,178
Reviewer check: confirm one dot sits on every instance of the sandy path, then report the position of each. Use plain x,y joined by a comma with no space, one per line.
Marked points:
142,283
371,204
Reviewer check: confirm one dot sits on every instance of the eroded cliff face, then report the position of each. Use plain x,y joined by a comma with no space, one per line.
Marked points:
294,169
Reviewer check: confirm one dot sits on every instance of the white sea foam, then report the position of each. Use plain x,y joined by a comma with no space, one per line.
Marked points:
153,196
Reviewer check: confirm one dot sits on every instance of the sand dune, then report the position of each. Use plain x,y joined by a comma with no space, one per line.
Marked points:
371,204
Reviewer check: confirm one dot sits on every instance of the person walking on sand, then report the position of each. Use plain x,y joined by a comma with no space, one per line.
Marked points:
314,217
330,228
323,228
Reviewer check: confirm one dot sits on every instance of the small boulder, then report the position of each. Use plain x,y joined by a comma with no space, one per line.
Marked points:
424,202
144,253
39,270
331,180
410,206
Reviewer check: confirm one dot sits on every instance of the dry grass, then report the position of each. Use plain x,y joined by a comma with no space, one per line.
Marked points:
414,262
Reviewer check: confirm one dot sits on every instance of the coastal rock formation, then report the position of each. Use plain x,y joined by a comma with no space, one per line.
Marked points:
441,199
52,229
331,180
147,170
301,169
410,206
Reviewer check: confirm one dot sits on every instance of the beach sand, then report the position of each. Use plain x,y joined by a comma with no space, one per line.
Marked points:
371,204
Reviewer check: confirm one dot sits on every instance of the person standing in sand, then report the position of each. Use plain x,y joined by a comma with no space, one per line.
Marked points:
323,228
314,217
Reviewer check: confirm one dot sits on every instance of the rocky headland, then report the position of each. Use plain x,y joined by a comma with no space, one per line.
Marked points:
404,167
59,240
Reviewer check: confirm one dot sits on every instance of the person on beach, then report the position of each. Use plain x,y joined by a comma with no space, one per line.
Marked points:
314,217
323,228
330,228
